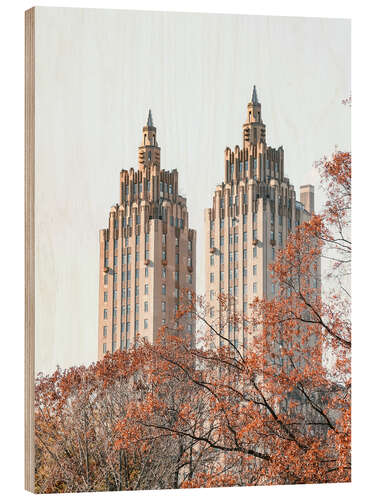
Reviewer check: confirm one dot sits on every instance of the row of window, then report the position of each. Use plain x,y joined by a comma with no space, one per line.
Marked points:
235,290
137,241
127,276
212,275
138,187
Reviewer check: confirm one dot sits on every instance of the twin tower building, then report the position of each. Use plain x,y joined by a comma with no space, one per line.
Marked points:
148,252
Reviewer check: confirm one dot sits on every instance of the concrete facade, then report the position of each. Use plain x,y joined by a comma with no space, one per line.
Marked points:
252,213
147,255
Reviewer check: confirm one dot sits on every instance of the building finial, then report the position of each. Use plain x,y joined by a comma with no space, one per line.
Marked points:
254,97
149,119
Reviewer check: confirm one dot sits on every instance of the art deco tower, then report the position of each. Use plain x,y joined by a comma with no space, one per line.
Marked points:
252,213
147,254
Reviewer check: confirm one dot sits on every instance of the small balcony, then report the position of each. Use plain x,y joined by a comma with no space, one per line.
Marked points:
190,269
106,269
273,242
164,262
212,250
255,242
147,262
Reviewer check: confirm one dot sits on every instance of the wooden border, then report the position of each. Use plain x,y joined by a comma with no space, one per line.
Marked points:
29,246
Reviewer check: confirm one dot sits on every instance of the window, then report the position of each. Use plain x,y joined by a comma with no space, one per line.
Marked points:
189,278
128,292
245,236
176,293
245,289
123,311
254,234
211,295
255,287
115,277
236,291
163,239
106,279
105,296
164,255
146,272
105,331
128,327
122,327
221,203
244,306
116,241
280,220
148,185
177,258
190,329
189,261
212,277
235,256
221,258
171,220
136,325
221,223
104,348
230,239
163,289
230,256
176,276
137,240
211,312
272,235
280,238
245,254
190,245
273,287
114,312
106,262
145,323
129,258
236,237
115,260
105,314
146,289
163,307
241,167
176,242
211,260
137,291
244,272
137,256
254,251
211,242
221,276
163,272
235,273
221,241
254,270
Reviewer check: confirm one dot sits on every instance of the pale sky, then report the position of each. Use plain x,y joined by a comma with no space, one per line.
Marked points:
97,74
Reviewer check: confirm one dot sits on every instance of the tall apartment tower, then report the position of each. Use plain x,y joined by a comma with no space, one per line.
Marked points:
252,212
147,254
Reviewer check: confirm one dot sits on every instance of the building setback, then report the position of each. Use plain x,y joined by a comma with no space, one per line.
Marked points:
252,212
147,255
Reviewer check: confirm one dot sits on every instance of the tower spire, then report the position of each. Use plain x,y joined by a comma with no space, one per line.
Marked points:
254,97
149,119
149,151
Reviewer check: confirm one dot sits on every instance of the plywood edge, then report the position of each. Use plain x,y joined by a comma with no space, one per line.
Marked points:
29,247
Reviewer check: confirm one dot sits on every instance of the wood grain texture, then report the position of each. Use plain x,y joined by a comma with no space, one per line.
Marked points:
29,246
